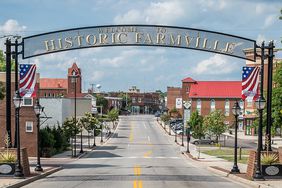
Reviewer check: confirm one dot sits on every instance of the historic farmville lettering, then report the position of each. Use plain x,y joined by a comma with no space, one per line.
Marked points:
110,36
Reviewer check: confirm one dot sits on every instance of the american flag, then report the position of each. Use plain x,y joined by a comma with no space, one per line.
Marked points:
250,82
27,80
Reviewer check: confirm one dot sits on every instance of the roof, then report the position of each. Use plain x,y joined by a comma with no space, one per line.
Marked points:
53,83
188,80
216,89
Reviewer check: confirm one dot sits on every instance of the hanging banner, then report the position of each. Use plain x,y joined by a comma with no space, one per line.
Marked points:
178,103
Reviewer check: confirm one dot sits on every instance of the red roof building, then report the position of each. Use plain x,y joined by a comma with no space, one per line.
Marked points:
207,96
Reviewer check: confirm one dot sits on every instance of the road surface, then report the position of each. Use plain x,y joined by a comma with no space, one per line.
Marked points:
139,155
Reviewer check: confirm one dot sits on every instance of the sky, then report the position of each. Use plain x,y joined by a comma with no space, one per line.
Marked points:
148,68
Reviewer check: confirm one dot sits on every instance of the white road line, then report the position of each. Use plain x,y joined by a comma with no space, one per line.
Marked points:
145,125
134,157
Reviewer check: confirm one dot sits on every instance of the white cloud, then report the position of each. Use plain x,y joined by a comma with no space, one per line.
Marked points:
261,38
215,65
10,27
270,20
155,13
97,76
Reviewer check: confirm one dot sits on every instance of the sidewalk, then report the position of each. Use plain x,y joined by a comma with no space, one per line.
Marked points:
55,163
218,165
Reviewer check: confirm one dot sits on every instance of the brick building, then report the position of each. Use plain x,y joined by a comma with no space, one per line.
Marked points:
61,87
28,120
172,94
205,97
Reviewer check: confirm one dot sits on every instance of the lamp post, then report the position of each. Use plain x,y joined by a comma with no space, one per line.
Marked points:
260,104
18,103
175,135
94,144
38,109
236,111
102,132
74,80
188,139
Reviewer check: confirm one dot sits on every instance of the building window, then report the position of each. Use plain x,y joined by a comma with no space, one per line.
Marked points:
212,105
139,100
27,101
49,94
187,89
29,126
199,105
45,94
227,107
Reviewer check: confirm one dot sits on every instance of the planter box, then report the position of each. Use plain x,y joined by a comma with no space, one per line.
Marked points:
272,171
7,169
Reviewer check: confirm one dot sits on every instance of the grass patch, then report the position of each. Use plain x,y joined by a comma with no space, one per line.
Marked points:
243,160
228,154
223,151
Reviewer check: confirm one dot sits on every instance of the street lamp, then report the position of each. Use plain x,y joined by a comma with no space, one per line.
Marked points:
175,135
260,104
102,132
18,100
188,139
38,109
74,80
236,111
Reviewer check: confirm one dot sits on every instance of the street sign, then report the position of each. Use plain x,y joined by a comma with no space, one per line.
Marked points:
178,103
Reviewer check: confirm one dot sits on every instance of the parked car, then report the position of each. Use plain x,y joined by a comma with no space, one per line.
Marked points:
157,114
203,141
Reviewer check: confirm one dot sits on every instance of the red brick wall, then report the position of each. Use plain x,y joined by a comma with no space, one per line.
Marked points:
28,140
219,105
172,94
52,92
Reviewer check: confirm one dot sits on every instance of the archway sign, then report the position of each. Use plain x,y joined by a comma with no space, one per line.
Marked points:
136,35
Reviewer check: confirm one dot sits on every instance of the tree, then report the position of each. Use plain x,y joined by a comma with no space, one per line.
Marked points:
214,122
165,118
89,123
69,127
126,101
113,116
277,97
196,125
2,91
3,62
102,101
280,16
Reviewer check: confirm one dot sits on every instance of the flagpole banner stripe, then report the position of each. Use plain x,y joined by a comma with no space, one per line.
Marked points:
250,82
27,80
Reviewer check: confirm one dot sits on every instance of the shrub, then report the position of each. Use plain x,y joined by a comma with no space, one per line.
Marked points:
269,158
7,157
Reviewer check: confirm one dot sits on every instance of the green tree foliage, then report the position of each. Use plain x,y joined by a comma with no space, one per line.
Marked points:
281,14
3,62
165,118
126,101
70,128
101,101
2,91
47,142
214,122
113,116
196,125
61,141
277,97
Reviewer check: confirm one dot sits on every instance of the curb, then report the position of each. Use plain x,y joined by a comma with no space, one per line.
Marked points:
230,176
237,178
32,179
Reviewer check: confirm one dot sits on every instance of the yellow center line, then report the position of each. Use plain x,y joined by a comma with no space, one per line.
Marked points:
137,183
147,154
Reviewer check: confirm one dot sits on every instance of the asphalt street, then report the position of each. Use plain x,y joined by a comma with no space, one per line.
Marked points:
139,155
